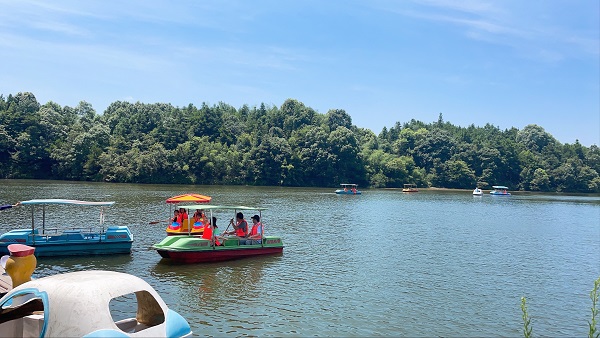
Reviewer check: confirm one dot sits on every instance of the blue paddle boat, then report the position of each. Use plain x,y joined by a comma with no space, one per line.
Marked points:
348,189
85,238
499,190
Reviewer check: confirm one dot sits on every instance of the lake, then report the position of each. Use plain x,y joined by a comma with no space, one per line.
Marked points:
384,263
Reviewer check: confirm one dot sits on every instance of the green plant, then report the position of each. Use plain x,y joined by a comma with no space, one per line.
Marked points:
526,319
594,296
594,333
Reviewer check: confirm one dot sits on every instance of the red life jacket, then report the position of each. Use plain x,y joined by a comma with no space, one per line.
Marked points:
207,234
254,230
239,231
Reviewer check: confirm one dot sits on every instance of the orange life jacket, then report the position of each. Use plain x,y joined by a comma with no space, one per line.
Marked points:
255,227
239,231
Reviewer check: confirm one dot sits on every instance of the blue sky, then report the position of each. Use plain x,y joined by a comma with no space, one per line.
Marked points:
509,63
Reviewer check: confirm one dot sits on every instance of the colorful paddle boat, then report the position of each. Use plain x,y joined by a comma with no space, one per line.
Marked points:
214,248
499,190
410,188
348,189
89,238
186,225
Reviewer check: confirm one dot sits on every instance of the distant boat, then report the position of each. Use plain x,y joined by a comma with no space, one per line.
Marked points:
477,192
499,190
410,188
348,189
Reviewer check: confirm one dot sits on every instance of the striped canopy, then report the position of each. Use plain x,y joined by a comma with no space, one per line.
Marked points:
189,198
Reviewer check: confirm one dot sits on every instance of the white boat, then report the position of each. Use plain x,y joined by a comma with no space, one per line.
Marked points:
477,192
410,188
78,304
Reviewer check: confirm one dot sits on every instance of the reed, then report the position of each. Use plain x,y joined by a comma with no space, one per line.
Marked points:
593,333
526,320
594,296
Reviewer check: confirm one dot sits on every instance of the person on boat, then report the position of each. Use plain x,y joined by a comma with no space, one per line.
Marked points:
199,220
212,230
215,228
176,217
354,190
240,226
182,215
255,235
8,206
199,217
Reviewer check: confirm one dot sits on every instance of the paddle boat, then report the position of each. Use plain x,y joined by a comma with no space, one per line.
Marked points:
88,238
78,304
348,189
499,190
186,225
410,188
477,192
210,247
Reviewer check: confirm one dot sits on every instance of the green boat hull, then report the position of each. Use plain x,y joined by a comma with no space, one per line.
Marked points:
192,249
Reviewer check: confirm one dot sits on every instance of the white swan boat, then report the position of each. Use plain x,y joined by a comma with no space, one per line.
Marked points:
477,192
78,304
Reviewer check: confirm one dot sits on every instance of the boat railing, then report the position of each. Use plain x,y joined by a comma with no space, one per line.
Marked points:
83,230
49,229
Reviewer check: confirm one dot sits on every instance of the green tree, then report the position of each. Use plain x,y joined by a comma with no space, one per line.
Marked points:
268,162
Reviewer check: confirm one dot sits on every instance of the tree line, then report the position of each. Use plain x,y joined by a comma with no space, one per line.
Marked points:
290,145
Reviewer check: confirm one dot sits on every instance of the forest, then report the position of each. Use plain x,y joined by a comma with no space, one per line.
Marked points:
290,145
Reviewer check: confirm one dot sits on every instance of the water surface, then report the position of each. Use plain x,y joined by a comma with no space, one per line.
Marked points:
385,263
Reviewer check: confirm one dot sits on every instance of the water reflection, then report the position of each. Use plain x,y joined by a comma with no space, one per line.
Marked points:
380,264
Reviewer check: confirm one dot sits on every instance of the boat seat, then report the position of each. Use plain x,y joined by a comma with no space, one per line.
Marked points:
185,225
28,308
231,242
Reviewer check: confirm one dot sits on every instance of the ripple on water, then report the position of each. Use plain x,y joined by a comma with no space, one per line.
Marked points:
380,264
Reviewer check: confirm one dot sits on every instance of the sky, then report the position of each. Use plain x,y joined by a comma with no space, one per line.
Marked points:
509,63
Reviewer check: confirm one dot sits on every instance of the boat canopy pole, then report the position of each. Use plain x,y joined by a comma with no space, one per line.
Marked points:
213,229
101,223
32,224
189,223
43,219
262,233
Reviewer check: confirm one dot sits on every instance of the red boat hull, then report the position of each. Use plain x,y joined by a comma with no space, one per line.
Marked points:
186,257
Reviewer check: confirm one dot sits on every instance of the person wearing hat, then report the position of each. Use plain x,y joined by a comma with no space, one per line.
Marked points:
256,233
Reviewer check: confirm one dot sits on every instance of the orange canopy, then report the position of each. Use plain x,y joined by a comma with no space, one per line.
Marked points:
189,198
